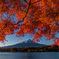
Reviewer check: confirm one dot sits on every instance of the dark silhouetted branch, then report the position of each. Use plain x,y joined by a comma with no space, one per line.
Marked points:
26,13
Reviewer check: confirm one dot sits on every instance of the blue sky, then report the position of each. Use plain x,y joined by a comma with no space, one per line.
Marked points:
12,39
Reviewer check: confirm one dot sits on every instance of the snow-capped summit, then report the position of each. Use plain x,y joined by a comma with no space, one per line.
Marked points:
28,41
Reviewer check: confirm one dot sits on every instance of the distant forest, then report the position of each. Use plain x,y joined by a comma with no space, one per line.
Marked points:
31,49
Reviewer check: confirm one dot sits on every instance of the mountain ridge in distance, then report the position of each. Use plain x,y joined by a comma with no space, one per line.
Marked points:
26,43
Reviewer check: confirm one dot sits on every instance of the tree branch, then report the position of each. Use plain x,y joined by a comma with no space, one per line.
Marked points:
25,1
26,13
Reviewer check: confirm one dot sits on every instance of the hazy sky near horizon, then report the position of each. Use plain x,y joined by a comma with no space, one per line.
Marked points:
12,39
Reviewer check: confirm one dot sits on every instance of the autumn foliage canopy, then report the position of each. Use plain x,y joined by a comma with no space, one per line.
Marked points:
36,17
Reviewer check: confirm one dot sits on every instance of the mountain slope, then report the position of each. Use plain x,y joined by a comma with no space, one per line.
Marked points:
26,43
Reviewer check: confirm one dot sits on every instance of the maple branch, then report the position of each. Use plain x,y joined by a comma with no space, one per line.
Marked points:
26,1
26,13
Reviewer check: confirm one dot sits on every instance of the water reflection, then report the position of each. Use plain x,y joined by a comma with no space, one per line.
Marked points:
38,55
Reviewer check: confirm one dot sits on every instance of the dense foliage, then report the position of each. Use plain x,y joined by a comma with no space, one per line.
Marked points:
36,17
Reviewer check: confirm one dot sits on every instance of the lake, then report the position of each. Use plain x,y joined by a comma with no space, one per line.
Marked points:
32,55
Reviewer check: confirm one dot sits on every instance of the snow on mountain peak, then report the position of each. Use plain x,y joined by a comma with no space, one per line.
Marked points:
28,40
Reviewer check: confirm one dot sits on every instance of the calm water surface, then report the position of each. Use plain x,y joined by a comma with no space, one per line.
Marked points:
36,55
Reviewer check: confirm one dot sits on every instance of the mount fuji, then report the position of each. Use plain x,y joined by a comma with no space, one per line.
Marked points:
26,43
